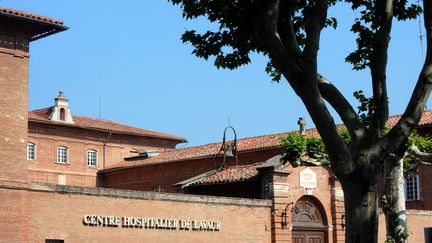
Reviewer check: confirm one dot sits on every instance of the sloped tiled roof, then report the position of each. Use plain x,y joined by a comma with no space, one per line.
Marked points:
38,26
226,175
425,120
42,116
271,141
30,16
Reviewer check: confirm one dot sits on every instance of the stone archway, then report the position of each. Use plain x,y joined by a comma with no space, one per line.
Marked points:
309,224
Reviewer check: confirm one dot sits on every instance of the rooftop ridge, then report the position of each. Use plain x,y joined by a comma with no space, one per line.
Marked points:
30,15
84,122
208,150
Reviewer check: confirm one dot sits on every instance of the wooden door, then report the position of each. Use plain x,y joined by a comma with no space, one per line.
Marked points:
308,222
308,237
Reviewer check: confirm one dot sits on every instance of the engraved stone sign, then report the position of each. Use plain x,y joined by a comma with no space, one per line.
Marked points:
308,178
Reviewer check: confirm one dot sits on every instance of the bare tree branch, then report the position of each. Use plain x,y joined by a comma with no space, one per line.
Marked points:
330,93
317,17
419,155
340,156
307,90
348,115
268,31
288,37
411,117
378,69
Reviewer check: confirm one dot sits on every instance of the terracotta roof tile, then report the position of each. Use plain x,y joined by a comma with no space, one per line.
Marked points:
271,141
425,120
30,16
42,116
227,175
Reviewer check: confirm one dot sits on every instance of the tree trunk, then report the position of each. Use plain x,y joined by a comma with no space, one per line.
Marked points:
393,201
361,218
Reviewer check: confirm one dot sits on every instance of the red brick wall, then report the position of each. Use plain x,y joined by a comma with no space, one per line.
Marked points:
48,137
417,220
13,227
166,175
58,214
244,189
13,131
13,105
425,202
323,195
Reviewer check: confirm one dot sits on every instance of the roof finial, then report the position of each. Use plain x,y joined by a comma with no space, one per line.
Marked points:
302,124
61,96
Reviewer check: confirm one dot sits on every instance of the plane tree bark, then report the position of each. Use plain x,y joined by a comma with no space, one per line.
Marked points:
289,32
393,200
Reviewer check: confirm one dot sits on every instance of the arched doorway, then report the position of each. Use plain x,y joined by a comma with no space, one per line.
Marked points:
308,221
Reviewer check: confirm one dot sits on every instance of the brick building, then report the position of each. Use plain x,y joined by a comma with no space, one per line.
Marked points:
32,211
49,159
69,150
257,173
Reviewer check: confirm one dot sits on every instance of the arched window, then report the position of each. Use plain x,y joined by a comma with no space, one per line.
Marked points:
62,155
62,114
92,158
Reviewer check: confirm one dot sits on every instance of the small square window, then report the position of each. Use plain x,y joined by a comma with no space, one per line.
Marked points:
62,155
92,158
31,151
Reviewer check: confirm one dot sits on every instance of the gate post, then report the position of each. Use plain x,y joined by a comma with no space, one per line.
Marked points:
275,187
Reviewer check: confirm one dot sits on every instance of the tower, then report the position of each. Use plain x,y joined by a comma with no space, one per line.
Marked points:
17,30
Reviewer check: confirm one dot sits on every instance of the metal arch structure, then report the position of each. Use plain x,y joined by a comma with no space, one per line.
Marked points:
228,148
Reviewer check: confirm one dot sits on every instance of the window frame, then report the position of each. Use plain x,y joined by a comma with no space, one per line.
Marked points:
94,151
66,156
414,192
28,151
158,188
62,115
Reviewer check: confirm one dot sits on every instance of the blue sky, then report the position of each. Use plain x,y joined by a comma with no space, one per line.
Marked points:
128,54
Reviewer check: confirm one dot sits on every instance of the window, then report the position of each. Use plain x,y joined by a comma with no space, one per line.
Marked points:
412,188
92,158
157,188
31,151
62,114
62,155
